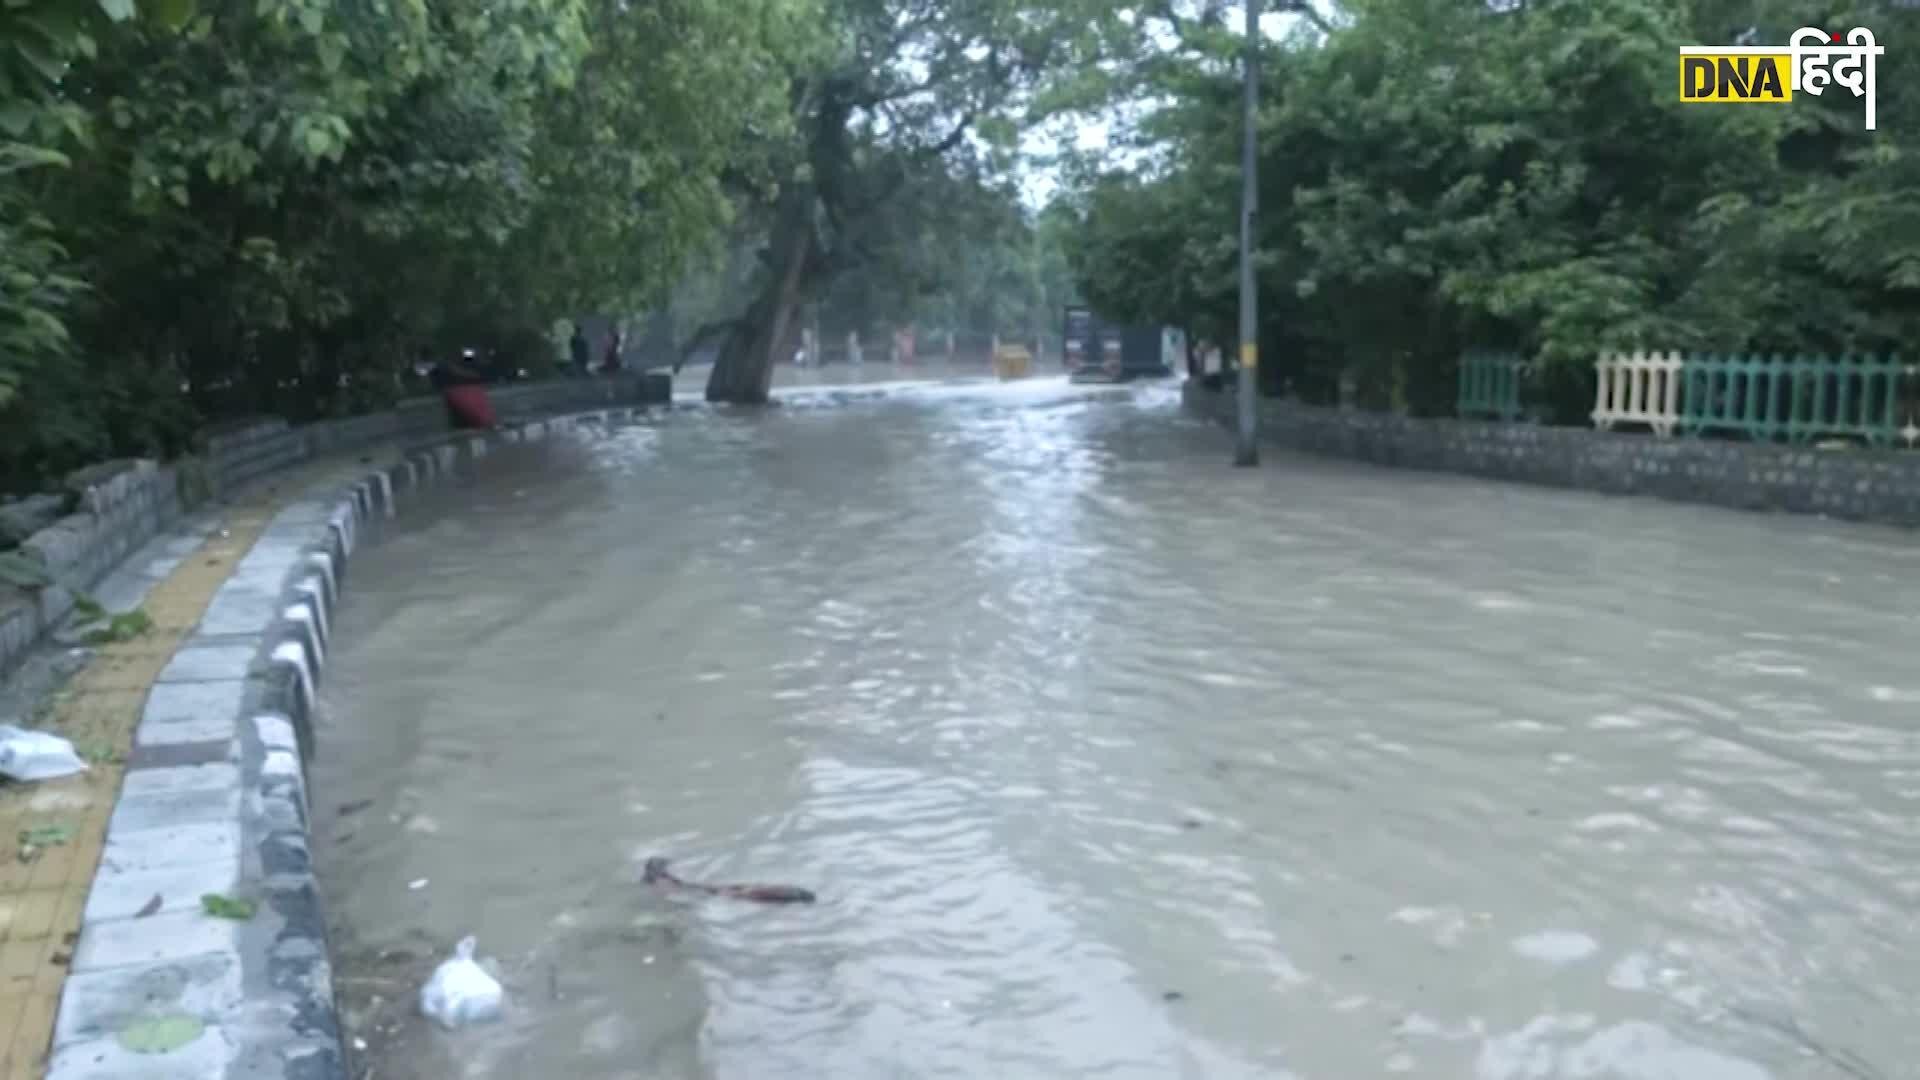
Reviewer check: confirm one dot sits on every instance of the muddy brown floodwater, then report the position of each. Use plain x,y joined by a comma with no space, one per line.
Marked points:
1109,760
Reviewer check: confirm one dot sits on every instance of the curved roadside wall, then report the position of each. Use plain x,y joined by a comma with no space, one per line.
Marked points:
1878,486
215,801
124,505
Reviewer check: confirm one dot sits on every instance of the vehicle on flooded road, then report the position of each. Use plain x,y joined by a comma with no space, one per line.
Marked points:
1096,351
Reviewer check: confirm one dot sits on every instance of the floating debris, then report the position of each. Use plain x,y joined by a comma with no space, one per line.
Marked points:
461,992
656,873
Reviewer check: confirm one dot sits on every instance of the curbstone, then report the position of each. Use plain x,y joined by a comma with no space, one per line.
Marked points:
102,1003
190,712
141,851
193,806
204,663
166,938
210,1055
121,895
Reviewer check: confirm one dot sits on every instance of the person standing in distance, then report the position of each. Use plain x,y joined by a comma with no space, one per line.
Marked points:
578,349
612,362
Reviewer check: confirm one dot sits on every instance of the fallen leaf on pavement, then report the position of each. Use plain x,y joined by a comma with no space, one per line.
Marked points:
160,1034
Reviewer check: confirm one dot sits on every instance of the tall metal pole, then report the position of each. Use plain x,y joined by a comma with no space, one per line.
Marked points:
1247,449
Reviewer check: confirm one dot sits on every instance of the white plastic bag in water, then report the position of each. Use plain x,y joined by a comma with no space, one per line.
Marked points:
461,992
35,755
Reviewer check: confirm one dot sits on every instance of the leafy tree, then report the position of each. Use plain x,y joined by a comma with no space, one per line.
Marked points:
280,206
40,42
958,253
892,100
1438,173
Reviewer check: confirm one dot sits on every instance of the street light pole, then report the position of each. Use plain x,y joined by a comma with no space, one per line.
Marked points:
1247,450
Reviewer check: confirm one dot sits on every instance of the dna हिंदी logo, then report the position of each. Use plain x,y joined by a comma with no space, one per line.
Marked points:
1811,62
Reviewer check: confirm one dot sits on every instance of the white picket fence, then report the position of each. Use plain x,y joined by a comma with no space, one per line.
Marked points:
1637,388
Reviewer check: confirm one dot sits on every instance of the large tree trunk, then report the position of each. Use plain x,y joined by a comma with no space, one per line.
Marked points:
743,373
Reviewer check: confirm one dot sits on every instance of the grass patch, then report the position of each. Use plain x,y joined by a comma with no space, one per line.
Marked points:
41,837
98,752
123,627
46,835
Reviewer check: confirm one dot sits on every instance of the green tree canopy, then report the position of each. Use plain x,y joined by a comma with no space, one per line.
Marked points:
277,205
1437,173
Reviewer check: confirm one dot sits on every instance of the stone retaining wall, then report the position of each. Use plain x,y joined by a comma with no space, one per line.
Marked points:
1856,484
239,455
117,515
215,801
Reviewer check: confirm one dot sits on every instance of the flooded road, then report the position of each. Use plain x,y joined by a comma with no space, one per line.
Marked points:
1109,760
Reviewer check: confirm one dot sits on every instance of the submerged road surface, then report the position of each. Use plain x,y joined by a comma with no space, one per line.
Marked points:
1109,760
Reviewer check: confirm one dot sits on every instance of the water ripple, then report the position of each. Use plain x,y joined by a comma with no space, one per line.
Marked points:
1106,759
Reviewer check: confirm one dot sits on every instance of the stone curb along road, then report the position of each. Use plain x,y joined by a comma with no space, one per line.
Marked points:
215,802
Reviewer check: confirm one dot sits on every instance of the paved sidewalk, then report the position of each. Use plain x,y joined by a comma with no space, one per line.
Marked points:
51,834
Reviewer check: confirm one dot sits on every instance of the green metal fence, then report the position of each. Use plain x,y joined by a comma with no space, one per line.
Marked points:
1490,384
1796,398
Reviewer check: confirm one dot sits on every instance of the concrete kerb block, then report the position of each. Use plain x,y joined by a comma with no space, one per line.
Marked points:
303,618
191,711
281,803
157,940
343,525
383,480
311,592
126,893
175,836
98,1005
322,569
331,542
169,836
275,731
140,783
206,662
210,1055
249,602
289,657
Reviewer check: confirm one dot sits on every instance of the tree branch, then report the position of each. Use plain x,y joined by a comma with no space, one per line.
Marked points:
952,138
1306,10
875,98
1184,27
